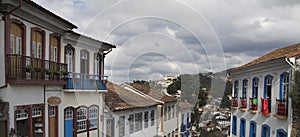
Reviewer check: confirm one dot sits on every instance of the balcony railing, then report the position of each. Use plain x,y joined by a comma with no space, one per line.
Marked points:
81,81
243,102
24,69
234,102
253,104
281,107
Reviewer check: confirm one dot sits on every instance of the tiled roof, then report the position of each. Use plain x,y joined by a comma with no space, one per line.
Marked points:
154,94
273,55
118,98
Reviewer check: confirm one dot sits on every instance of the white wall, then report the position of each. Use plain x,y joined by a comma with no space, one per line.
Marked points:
2,54
275,68
170,125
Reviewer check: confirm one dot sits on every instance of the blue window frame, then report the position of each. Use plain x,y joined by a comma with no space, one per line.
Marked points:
268,90
281,133
245,86
265,131
243,128
236,88
255,84
284,85
234,120
252,132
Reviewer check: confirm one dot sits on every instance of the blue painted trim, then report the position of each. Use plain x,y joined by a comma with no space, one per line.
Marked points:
265,85
281,85
263,128
281,131
253,129
243,127
244,94
234,121
255,78
236,84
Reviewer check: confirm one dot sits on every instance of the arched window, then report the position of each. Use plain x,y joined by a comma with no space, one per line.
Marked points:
81,119
97,62
69,57
243,128
255,87
84,61
37,43
236,88
93,117
234,122
245,87
268,91
265,130
284,85
281,133
16,39
252,132
54,49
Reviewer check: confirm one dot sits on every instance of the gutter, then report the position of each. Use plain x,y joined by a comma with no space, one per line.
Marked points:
20,5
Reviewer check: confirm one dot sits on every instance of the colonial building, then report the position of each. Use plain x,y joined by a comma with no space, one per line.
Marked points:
129,113
31,38
51,78
82,97
184,118
167,110
260,101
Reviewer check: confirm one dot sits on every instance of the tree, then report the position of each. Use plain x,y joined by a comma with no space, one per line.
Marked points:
295,95
225,100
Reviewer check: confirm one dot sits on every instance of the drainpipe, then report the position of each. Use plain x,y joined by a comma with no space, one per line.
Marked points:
6,35
290,78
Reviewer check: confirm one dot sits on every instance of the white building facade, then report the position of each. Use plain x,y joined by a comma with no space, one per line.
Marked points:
260,102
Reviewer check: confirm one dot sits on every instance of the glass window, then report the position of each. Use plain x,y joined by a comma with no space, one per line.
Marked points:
81,119
121,126
169,112
52,111
242,128
245,86
173,111
265,132
21,114
284,85
131,123
138,121
236,88
93,117
252,129
16,35
36,112
84,61
152,116
68,113
54,49
234,120
165,113
97,64
37,44
69,57
146,119
255,88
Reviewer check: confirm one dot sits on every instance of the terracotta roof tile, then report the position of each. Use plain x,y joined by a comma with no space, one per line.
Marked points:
275,54
118,98
154,94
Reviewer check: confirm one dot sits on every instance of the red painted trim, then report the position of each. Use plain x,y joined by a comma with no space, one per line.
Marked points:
57,36
39,82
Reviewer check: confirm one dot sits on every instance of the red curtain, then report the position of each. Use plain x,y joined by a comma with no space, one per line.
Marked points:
265,110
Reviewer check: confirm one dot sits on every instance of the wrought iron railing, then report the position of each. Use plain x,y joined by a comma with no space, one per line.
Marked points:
281,105
243,101
21,67
83,81
253,104
234,102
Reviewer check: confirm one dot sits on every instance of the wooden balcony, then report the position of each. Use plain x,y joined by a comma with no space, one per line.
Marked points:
253,105
29,70
281,110
243,105
234,102
79,82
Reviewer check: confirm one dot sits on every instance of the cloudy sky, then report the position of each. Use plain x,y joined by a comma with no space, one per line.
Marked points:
172,37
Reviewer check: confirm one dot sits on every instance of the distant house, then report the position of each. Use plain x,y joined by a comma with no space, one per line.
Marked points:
260,101
167,110
129,113
184,118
